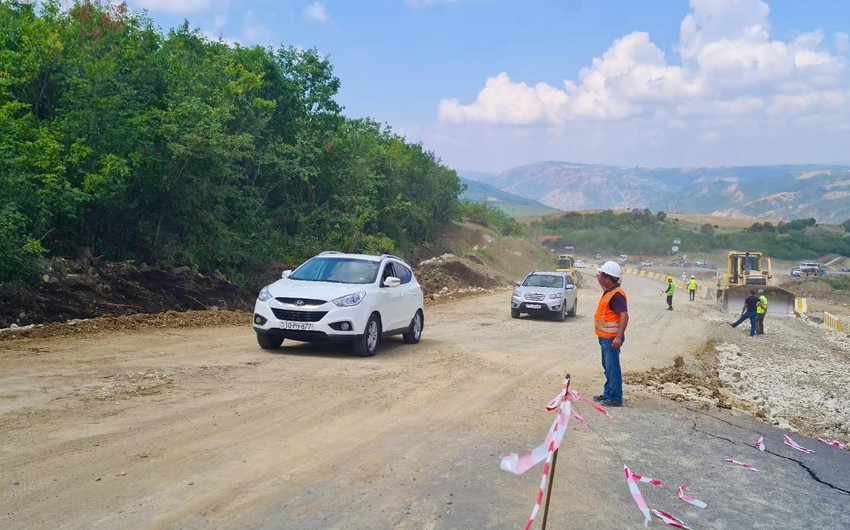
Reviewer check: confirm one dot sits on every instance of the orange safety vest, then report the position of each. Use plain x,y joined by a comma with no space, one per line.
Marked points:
607,322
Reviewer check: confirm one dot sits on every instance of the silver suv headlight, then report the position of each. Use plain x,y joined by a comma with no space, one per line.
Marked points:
517,294
556,296
350,300
264,294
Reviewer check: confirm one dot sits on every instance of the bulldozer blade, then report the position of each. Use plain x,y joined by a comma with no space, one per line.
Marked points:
780,302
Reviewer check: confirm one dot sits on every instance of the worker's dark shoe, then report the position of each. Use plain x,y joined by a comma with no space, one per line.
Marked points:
611,403
599,399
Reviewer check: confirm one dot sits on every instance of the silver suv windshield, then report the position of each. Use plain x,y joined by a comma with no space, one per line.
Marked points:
337,270
544,280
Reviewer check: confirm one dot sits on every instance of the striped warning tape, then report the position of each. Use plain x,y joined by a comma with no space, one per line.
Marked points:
670,520
518,465
690,500
636,495
834,443
742,464
794,445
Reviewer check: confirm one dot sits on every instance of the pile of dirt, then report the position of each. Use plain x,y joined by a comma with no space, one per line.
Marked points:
87,288
450,276
819,295
165,320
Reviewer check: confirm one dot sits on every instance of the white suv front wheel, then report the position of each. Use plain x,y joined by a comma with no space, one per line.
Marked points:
414,332
367,345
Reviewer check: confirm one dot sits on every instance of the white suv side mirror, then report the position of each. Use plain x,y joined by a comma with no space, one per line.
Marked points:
285,274
392,281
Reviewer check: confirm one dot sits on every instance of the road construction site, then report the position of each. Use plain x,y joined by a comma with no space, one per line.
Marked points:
190,425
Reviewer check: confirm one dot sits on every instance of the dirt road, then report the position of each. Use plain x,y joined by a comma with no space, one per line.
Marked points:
199,428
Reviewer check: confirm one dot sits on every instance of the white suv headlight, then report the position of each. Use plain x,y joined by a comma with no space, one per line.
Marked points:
556,296
517,294
350,299
264,294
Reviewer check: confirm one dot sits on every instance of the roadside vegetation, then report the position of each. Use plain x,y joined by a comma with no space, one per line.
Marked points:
120,142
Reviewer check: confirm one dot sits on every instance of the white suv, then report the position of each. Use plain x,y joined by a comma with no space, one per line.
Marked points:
357,298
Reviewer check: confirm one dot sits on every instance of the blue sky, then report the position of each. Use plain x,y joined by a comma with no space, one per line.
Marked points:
492,84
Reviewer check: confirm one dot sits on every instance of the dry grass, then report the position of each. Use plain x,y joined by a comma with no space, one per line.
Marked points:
718,221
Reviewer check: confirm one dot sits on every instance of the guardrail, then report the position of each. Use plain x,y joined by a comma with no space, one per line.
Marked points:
833,322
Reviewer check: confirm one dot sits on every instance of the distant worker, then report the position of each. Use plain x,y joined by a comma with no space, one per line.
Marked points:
748,311
692,288
610,321
761,309
684,276
669,293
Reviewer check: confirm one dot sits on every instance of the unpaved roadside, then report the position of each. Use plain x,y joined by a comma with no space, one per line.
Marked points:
199,428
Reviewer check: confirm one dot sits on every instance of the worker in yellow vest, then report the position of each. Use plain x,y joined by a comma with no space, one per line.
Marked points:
761,309
692,288
669,293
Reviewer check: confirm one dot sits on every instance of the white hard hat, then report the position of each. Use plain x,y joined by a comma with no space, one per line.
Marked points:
692,275
611,269
761,291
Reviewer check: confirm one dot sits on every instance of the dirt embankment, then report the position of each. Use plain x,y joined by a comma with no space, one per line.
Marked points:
80,297
82,289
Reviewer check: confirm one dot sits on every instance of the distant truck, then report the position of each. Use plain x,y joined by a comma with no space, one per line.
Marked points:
811,268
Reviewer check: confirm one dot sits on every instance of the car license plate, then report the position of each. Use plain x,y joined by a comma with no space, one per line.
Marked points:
303,326
533,306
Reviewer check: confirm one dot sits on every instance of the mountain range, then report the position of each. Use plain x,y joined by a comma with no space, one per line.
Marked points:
777,192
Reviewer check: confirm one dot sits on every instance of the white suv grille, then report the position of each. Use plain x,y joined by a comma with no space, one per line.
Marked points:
535,297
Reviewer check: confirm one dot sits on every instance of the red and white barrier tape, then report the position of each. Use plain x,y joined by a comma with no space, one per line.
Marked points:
834,443
520,464
647,480
794,445
743,464
690,500
636,495
670,520
578,417
759,443
578,396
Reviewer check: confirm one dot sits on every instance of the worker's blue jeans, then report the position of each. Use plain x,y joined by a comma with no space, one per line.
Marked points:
613,388
752,316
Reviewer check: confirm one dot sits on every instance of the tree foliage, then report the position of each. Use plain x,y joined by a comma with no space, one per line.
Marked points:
173,148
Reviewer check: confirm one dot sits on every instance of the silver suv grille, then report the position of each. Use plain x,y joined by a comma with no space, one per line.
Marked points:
535,297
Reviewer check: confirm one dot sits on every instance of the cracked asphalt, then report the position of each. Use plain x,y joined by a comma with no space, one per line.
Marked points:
686,446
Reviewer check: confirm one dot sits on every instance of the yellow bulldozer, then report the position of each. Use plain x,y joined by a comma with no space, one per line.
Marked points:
567,263
747,271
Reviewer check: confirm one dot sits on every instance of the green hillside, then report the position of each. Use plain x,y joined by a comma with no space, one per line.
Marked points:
511,204
645,232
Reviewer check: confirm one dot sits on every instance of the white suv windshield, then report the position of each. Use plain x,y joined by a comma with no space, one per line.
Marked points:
338,270
544,280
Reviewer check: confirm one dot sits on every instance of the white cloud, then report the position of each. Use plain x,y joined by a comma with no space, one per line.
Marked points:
254,32
174,6
726,66
316,12
842,43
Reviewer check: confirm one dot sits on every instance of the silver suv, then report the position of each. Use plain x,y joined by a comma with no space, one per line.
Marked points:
545,293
